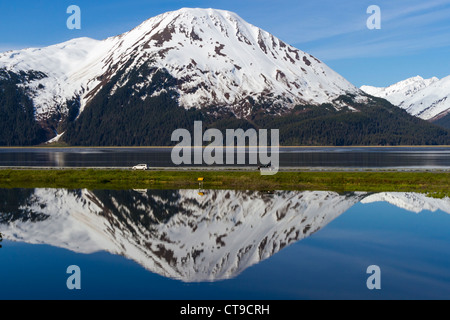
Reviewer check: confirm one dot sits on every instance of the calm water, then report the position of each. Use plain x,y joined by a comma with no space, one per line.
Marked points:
289,157
176,244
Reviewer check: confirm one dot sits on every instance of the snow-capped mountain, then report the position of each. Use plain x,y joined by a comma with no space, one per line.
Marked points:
214,58
414,202
177,234
428,99
180,234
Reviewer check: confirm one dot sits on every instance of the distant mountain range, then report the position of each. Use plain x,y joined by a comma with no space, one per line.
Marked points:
186,65
428,99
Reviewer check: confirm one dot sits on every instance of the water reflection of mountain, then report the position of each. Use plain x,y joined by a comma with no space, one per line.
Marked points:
180,234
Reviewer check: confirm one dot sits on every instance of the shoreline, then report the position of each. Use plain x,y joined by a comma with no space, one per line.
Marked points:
243,169
435,183
171,147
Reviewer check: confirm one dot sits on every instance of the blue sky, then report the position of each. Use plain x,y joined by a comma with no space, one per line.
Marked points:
414,38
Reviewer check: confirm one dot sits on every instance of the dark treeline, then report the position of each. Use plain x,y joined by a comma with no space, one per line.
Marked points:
444,121
125,119
148,116
17,124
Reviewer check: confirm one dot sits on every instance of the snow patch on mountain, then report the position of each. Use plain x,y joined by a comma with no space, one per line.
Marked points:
69,227
428,99
60,63
414,202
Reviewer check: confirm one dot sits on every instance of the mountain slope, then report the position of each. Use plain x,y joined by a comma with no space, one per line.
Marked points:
195,64
59,64
399,92
18,126
428,99
413,202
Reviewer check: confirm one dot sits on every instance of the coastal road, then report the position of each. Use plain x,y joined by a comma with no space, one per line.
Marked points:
247,168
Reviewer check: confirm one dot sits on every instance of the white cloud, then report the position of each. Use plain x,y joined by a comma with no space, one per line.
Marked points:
381,48
397,10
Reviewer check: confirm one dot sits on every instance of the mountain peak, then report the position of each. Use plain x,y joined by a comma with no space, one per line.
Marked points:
426,98
198,13
220,59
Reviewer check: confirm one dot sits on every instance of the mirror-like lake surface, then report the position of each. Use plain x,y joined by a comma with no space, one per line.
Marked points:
176,244
354,157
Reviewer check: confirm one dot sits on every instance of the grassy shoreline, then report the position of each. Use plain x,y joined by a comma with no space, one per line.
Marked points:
434,183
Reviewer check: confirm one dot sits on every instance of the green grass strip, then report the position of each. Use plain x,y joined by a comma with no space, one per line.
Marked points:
433,183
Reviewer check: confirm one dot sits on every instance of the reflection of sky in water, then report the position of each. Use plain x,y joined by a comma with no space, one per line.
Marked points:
412,250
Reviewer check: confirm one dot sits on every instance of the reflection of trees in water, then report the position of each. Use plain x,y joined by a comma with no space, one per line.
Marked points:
174,233
177,233
144,208
15,206
183,236
129,207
